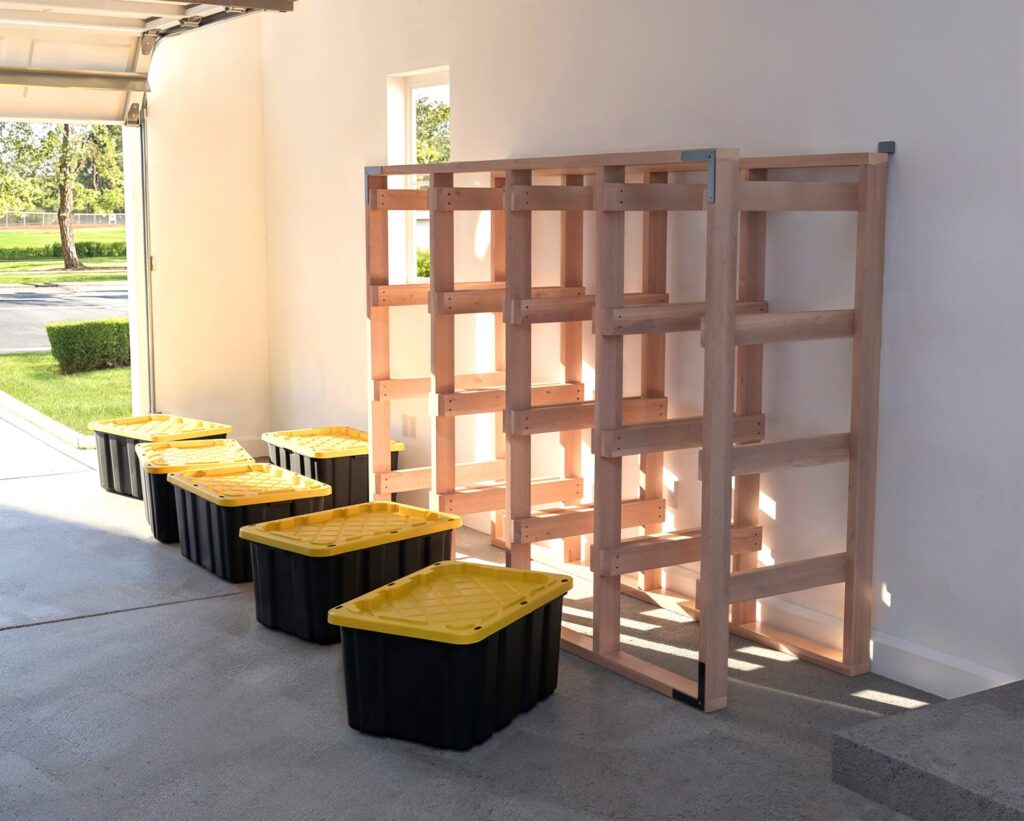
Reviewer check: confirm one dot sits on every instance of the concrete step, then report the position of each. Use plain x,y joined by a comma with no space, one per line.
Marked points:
959,759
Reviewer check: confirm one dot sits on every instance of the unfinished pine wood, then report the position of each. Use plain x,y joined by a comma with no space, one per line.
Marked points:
575,520
487,497
654,196
762,582
805,451
802,648
867,340
497,261
398,199
393,296
379,434
654,267
576,197
465,199
608,415
571,343
492,400
670,434
492,300
580,415
666,549
719,376
746,494
669,317
466,473
567,309
518,364
799,326
798,196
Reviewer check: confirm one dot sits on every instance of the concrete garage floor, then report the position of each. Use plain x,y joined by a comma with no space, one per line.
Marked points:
134,684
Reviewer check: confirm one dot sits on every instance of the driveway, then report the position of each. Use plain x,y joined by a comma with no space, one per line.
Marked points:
24,311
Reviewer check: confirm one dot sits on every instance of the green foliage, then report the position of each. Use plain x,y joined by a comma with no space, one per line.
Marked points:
72,400
86,248
90,345
422,262
433,127
36,157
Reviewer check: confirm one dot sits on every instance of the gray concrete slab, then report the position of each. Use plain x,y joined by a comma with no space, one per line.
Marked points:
142,687
28,455
68,548
962,758
25,311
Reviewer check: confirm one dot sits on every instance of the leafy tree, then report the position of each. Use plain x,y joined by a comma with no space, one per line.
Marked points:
50,167
433,126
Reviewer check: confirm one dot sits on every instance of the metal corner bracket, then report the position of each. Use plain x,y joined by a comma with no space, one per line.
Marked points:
707,155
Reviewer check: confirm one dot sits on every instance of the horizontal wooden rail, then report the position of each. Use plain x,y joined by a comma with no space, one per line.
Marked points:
653,197
491,299
488,497
762,582
398,199
566,309
385,390
465,199
790,453
659,319
417,387
773,195
400,481
668,549
492,400
671,434
549,197
560,523
392,296
798,326
579,416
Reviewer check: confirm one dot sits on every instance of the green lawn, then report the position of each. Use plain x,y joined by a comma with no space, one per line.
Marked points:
56,266
74,400
38,237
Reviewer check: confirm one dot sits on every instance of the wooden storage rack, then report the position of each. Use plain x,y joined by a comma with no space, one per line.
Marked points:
734,323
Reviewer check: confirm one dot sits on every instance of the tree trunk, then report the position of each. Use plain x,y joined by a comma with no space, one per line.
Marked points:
66,206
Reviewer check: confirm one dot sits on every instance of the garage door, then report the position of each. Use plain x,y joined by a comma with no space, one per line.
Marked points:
89,59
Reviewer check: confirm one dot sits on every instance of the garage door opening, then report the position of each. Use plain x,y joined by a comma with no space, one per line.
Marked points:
73,311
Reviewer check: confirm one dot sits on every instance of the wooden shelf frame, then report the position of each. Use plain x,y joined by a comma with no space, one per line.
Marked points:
734,324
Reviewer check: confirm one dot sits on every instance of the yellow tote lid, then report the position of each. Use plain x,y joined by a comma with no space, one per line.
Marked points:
168,457
325,443
160,427
346,529
451,602
247,484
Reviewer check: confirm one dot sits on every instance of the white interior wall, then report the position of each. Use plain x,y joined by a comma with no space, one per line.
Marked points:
532,77
207,229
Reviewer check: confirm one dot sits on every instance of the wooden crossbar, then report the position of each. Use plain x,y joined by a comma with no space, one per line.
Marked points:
762,582
492,400
665,318
491,299
557,523
566,309
580,415
669,548
790,453
489,497
670,434
549,198
760,329
798,196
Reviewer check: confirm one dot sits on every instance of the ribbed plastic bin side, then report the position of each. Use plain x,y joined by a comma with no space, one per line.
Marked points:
304,566
116,439
213,505
448,690
158,459
337,456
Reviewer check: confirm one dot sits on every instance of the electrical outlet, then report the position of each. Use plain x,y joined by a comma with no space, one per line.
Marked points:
409,425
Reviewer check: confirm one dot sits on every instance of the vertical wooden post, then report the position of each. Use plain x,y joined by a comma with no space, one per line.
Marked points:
380,341
749,383
572,347
867,341
608,411
442,345
719,386
498,535
652,358
518,369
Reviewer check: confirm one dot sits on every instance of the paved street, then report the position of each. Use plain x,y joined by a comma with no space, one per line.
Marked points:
24,311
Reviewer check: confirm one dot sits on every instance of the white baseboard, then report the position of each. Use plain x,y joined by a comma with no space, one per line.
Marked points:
907,662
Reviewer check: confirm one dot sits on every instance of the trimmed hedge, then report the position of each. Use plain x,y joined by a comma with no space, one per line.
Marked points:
86,249
422,262
90,345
